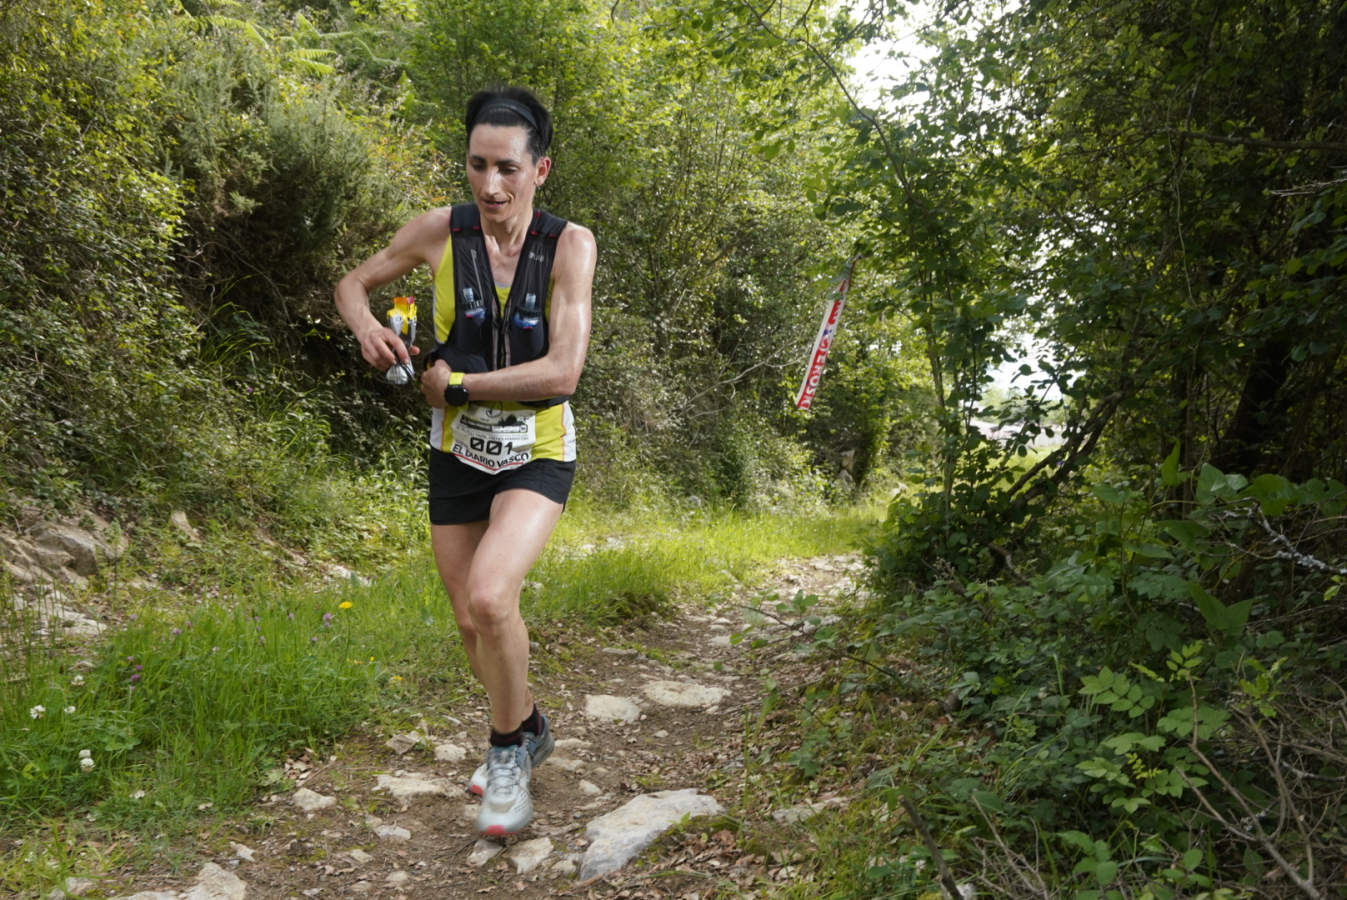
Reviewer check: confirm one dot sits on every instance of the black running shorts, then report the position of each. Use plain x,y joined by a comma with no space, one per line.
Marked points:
459,493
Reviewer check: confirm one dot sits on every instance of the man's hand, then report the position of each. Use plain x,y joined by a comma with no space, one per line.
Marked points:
433,382
383,348
420,241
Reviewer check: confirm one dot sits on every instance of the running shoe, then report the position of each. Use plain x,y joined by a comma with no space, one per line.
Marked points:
539,747
506,805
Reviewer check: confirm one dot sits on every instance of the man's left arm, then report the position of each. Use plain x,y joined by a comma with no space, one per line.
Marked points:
568,325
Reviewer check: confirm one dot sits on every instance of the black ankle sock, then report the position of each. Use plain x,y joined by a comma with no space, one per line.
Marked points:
512,739
534,723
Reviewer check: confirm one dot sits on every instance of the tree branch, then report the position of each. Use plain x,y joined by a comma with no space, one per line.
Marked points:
1261,143
1256,834
899,170
946,879
798,628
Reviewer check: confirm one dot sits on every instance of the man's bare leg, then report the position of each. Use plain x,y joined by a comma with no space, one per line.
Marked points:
454,546
521,522
483,568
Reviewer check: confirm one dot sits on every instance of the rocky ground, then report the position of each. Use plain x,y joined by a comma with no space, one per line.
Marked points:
650,727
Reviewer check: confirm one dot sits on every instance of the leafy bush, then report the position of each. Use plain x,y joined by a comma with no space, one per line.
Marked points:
92,334
180,199
288,188
1145,691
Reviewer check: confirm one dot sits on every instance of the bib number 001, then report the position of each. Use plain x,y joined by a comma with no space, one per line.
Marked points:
493,440
494,448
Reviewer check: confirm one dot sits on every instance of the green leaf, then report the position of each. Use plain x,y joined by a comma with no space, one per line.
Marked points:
1123,744
987,800
1186,531
1108,494
1219,617
1169,469
1078,839
1181,722
1273,493
1212,483
1149,550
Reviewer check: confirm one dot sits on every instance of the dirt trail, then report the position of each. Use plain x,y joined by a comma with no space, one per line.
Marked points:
367,842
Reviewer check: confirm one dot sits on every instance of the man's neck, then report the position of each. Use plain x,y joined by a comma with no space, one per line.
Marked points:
508,235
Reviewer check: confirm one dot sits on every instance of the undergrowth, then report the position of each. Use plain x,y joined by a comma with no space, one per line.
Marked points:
1156,710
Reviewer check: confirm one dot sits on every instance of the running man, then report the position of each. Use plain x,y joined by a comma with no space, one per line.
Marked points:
511,318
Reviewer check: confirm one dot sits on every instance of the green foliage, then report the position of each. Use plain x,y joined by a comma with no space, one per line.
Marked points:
875,404
288,187
220,165
85,280
1144,675
707,250
148,338
1131,189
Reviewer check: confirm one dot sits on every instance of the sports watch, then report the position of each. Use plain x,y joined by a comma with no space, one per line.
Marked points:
456,392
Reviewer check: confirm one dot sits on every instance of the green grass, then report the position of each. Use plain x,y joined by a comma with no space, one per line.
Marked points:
609,568
178,708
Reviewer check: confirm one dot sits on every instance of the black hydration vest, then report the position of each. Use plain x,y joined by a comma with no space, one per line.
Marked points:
484,338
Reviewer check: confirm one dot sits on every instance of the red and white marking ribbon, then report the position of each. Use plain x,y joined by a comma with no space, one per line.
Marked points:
827,331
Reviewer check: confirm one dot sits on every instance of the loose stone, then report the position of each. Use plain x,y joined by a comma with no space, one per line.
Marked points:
403,787
684,694
529,854
483,851
215,883
451,753
312,801
392,833
612,709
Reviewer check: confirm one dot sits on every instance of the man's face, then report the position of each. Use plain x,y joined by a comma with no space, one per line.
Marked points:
502,171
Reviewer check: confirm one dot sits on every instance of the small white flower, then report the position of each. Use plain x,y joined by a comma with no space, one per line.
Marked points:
38,711
138,795
86,763
70,710
77,681
85,754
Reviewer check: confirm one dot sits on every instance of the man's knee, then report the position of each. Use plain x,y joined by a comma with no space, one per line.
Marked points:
492,608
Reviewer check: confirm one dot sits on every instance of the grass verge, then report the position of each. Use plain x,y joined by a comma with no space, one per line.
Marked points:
612,567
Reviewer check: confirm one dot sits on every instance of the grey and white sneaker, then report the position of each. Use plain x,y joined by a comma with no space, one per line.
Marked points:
507,805
539,747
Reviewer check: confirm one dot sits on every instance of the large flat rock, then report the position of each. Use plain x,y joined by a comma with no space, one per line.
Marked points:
621,834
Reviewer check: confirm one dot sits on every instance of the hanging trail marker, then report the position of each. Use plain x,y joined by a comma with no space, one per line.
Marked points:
813,374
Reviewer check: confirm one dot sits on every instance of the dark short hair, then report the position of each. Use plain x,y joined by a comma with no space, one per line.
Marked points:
511,106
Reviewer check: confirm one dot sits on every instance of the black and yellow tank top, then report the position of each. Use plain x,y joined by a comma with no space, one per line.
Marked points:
480,326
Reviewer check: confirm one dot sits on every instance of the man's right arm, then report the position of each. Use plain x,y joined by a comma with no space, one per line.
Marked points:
414,244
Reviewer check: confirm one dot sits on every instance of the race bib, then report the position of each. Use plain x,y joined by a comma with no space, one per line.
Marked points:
493,440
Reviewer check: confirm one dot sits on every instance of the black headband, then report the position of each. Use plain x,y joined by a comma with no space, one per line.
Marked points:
513,106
